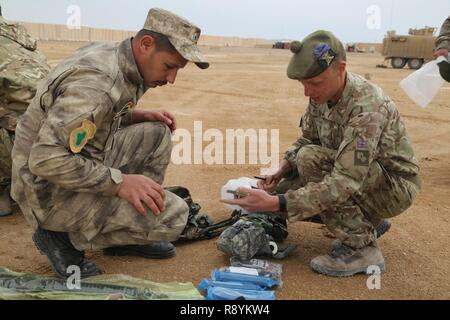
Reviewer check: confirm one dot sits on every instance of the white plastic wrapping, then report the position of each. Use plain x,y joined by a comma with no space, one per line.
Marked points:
233,185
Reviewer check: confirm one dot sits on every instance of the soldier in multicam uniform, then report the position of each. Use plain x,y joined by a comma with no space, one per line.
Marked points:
443,49
354,166
21,68
443,40
88,166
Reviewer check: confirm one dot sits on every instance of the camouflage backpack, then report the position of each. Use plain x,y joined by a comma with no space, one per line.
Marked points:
255,234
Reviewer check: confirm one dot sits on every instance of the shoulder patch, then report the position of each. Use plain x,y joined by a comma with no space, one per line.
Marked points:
362,158
79,137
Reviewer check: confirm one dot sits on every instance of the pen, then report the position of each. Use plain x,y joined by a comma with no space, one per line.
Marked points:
260,178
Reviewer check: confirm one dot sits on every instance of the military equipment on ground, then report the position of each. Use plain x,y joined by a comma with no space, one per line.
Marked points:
255,234
413,49
282,45
242,235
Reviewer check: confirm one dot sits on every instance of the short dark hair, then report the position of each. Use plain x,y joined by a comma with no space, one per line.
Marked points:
161,41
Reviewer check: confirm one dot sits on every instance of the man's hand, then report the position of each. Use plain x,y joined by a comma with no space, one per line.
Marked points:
271,182
441,52
143,115
255,201
139,190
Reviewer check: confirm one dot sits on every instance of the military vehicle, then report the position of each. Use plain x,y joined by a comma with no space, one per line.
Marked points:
413,49
282,45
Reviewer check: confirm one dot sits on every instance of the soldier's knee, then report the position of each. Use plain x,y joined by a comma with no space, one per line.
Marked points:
307,153
157,135
179,210
156,129
314,162
307,157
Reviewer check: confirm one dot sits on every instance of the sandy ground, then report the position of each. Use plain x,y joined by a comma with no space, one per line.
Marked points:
247,88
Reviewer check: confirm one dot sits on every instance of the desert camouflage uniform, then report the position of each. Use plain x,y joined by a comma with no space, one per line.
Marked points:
355,164
443,40
61,190
21,68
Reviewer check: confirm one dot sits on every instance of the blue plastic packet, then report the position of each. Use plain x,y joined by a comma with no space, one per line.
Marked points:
218,293
226,276
206,283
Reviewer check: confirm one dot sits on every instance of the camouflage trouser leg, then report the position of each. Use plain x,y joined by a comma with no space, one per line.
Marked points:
10,115
96,222
382,196
293,182
6,145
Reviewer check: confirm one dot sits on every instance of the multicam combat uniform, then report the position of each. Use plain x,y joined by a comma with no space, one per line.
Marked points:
355,164
75,141
21,68
443,40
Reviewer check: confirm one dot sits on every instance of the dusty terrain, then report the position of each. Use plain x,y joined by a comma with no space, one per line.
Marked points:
247,88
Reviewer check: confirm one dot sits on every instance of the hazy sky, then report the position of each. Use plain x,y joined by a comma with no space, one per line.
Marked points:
351,20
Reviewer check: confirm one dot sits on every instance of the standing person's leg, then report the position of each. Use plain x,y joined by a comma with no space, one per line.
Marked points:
10,114
6,145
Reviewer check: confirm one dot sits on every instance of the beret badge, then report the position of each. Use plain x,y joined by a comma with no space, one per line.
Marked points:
324,55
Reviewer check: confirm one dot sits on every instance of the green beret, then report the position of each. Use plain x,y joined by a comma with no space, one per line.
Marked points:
444,69
313,55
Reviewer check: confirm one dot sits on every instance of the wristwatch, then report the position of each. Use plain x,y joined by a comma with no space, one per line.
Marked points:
283,203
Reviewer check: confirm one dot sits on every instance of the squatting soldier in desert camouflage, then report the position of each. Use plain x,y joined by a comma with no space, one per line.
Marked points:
21,68
354,165
88,166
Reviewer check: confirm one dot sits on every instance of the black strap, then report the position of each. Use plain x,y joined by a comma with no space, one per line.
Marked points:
283,203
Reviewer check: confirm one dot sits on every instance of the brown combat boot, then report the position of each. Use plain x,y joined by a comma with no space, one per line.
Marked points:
5,202
343,261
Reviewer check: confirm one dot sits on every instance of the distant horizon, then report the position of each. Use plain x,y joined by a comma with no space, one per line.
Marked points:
356,21
212,35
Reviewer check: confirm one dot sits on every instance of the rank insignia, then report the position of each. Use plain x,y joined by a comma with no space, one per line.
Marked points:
362,158
79,137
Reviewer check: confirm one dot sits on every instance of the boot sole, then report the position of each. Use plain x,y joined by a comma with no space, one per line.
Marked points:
43,250
136,253
347,273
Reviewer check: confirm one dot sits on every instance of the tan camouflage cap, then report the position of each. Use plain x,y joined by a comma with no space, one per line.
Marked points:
182,34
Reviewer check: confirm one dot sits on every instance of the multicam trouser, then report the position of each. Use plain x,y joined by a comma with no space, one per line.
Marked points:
6,145
382,196
96,222
9,116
